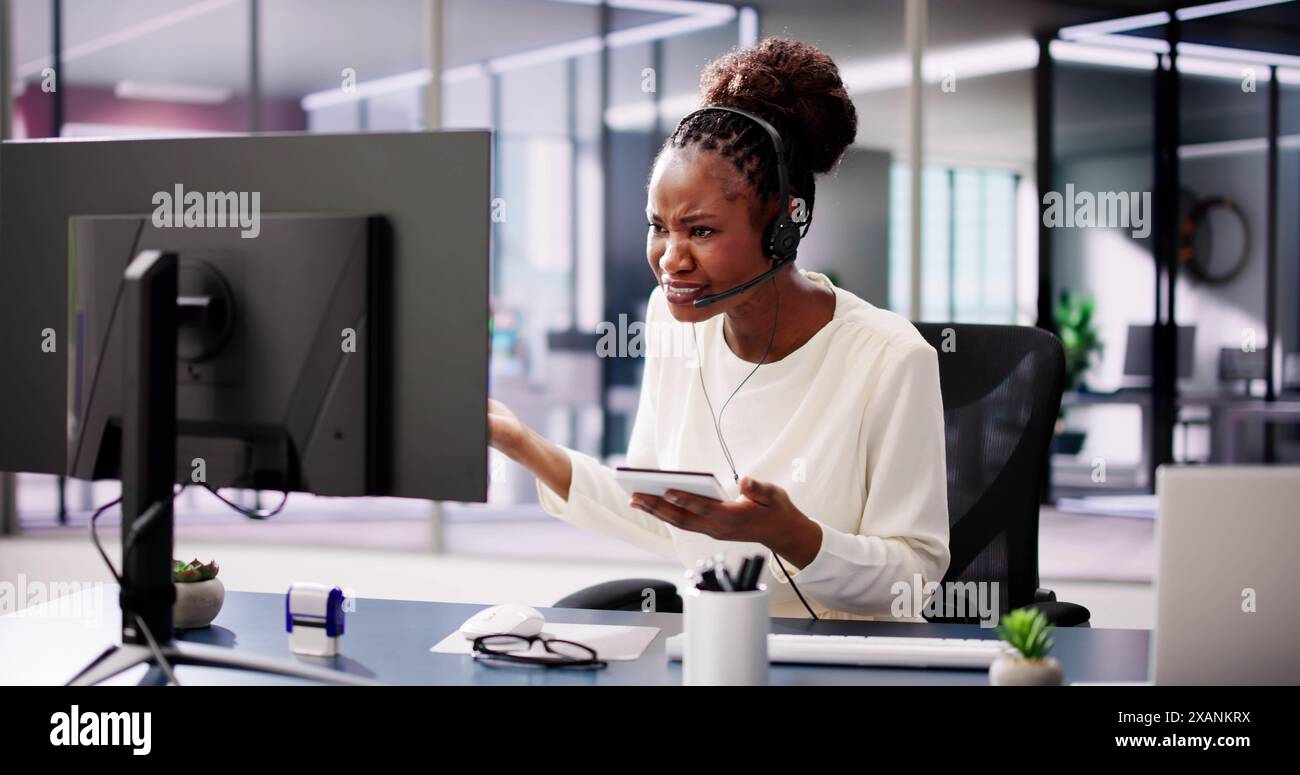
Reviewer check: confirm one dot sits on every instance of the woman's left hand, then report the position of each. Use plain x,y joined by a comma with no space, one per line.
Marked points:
764,514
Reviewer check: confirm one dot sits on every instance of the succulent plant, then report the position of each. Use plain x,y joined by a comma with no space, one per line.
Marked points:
1027,631
194,570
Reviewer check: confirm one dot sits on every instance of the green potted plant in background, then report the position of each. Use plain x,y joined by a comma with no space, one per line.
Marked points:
1027,664
1079,339
199,594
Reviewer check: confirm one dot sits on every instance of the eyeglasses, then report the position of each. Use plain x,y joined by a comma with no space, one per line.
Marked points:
518,649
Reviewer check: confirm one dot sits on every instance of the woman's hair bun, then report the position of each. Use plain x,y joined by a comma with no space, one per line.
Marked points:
796,87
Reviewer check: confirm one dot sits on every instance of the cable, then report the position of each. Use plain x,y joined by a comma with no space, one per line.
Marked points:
163,664
142,522
717,422
250,513
717,419
94,537
137,526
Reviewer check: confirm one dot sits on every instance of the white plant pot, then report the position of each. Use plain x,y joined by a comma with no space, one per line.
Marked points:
1018,671
197,603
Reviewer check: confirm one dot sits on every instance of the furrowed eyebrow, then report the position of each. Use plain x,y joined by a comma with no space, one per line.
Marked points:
689,219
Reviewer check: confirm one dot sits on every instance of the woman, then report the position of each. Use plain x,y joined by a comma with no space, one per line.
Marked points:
819,413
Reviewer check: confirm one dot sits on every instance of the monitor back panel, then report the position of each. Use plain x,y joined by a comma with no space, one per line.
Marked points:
431,187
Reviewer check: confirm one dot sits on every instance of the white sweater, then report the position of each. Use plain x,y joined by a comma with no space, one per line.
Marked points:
850,424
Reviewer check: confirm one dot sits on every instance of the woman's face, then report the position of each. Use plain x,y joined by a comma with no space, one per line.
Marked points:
702,237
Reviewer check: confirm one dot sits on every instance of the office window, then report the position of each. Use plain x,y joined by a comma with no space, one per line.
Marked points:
968,244
30,58
346,66
157,68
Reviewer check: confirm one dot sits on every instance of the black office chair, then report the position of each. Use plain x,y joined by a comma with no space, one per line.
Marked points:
1001,390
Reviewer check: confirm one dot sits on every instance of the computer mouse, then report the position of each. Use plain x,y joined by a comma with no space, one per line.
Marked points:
511,619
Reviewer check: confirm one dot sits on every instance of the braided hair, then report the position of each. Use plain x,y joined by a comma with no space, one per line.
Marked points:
796,88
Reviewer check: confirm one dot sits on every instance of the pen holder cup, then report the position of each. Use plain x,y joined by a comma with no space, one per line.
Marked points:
726,638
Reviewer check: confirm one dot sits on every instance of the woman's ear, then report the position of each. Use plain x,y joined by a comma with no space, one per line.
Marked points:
766,213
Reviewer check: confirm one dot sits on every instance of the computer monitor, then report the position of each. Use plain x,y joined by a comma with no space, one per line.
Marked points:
433,190
1236,364
1138,355
227,338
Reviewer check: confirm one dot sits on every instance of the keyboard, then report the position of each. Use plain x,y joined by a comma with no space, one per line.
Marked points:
873,651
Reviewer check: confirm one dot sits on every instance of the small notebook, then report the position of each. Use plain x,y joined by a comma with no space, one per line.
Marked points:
614,642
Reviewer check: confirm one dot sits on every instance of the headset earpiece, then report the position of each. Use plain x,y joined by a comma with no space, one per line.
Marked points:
782,238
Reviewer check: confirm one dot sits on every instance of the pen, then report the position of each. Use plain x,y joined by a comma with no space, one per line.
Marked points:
743,575
755,571
729,582
698,574
724,578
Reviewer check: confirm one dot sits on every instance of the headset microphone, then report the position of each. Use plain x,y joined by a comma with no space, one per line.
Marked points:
713,298
781,236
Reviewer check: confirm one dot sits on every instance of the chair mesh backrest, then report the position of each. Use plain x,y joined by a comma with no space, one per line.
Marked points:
1001,390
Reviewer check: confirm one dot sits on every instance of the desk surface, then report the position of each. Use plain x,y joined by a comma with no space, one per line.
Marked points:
389,641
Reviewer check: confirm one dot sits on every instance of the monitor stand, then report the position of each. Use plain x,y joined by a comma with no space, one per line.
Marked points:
148,476
123,657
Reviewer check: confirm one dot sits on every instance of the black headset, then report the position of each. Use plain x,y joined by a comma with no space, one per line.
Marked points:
781,235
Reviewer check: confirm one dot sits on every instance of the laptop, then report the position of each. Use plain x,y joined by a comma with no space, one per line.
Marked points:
1228,575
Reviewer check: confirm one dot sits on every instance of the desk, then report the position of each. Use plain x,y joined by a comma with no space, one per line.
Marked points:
1264,411
389,640
1227,412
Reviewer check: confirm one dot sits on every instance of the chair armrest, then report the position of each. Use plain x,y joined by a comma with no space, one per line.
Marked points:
625,595
1064,614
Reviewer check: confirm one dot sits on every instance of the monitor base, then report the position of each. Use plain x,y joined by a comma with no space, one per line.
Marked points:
120,658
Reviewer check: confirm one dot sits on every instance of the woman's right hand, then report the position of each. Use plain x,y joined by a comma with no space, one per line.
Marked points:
505,431
544,460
